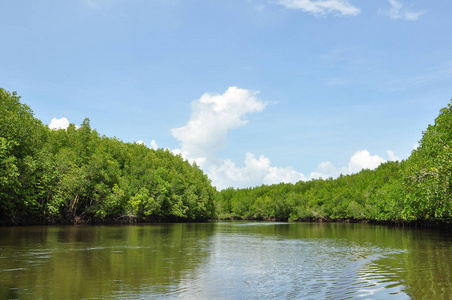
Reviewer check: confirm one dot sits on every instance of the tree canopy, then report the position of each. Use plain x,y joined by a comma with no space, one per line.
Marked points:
75,175
427,181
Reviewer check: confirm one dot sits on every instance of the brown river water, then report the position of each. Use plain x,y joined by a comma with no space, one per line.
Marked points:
225,260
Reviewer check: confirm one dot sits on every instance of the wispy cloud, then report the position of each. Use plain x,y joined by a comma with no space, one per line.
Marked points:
258,5
92,3
437,74
399,12
347,66
322,7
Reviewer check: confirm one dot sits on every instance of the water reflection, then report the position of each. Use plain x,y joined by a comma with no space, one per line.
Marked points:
274,268
225,260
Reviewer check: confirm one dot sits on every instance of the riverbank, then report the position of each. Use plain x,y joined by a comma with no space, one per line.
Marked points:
132,219
84,220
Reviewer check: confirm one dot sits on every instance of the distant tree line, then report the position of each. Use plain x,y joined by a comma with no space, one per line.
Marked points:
416,190
74,175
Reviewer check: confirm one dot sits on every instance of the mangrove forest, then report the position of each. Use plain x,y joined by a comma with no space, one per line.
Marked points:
76,175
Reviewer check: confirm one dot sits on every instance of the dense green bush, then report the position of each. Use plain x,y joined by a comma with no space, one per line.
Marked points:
366,195
427,180
76,175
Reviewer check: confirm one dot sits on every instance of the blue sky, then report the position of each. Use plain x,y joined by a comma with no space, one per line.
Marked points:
255,91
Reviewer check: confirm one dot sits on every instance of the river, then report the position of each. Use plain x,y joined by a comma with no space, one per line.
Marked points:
225,260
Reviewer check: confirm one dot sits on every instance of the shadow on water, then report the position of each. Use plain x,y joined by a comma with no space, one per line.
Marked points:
252,260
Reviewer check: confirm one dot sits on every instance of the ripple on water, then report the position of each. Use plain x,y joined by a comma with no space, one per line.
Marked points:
234,262
14,269
252,268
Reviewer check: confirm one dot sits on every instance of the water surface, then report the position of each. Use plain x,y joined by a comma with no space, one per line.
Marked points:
225,260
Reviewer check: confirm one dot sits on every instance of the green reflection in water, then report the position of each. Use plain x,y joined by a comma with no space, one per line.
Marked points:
224,260
94,262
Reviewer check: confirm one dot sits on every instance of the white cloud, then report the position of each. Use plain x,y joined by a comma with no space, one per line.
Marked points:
363,160
360,160
392,156
62,123
397,12
286,175
325,170
322,7
213,115
154,145
257,171
211,118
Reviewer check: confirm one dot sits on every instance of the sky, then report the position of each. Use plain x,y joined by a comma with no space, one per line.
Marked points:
254,91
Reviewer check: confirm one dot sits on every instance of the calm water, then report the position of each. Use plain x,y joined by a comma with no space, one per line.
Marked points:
225,260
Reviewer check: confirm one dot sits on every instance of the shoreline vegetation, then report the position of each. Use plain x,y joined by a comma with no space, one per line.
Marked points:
77,176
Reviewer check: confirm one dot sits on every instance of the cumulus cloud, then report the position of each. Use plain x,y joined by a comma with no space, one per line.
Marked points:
62,123
213,115
211,118
322,7
154,145
360,160
257,171
397,12
363,160
392,156
325,170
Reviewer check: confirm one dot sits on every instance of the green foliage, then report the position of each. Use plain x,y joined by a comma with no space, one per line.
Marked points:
67,175
21,137
428,182
366,195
